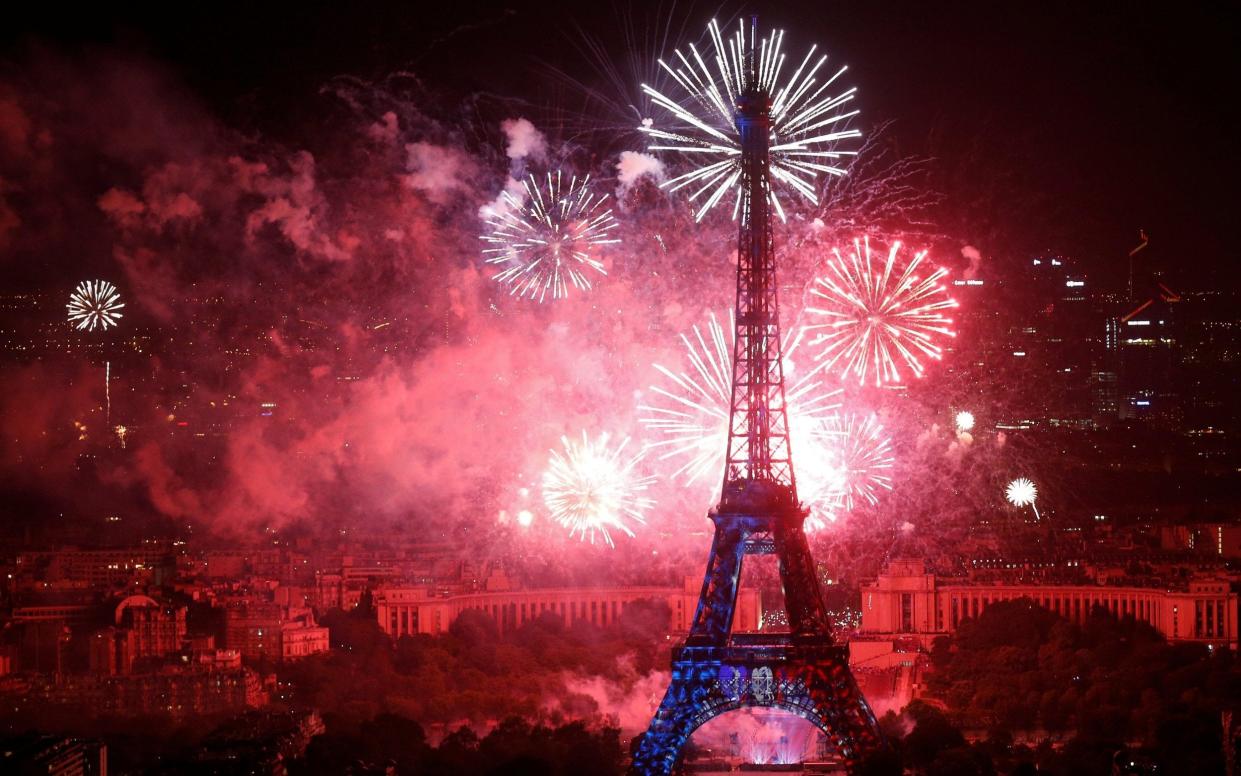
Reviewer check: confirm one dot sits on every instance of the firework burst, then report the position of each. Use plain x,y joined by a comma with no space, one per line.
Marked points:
965,421
94,303
1022,492
854,465
809,112
872,322
690,415
593,488
549,243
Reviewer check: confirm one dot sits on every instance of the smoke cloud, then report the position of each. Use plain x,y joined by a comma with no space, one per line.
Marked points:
321,344
975,259
523,140
634,165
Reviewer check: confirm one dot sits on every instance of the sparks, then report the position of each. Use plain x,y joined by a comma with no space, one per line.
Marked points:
1021,492
873,322
94,303
857,463
593,488
965,421
809,114
690,416
549,242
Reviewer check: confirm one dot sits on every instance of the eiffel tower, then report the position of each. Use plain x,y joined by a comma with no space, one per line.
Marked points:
715,671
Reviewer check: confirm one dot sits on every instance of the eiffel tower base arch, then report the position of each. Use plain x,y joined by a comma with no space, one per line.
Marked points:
808,678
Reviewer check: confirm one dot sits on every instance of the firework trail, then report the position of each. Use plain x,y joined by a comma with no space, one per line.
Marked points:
871,322
809,112
94,303
549,242
593,488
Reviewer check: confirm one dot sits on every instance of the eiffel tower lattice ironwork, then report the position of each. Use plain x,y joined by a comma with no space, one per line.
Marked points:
714,671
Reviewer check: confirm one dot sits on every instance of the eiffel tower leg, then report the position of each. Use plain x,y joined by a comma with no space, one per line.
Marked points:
714,617
674,722
841,709
803,600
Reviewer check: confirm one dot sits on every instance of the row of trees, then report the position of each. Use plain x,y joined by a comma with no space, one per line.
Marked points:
471,674
515,747
1019,670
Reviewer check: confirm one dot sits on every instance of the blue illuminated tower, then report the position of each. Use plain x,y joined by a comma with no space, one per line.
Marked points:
715,670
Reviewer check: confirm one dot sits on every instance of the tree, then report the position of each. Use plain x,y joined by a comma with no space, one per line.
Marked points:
932,734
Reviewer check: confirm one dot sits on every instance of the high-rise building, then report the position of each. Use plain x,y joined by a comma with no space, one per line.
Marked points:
1148,361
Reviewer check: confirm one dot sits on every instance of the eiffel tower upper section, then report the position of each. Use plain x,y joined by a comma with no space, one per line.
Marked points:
758,475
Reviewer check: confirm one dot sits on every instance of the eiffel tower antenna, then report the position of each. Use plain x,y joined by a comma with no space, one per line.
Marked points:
715,670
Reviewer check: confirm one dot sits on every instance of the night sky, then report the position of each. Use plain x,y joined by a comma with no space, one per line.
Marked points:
1078,123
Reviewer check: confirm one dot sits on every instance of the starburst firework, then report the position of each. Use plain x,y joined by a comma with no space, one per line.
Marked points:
809,113
872,322
858,460
1021,492
594,488
964,421
94,303
691,413
549,243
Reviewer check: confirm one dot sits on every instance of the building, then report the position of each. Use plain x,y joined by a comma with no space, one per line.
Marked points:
158,630
301,637
54,756
1148,358
270,631
111,651
409,610
907,600
173,691
152,562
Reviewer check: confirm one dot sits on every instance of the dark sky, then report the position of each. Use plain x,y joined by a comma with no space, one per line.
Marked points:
1092,119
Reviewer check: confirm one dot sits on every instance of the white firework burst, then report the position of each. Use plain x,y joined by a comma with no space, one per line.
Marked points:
550,241
690,414
857,464
809,110
592,487
94,303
